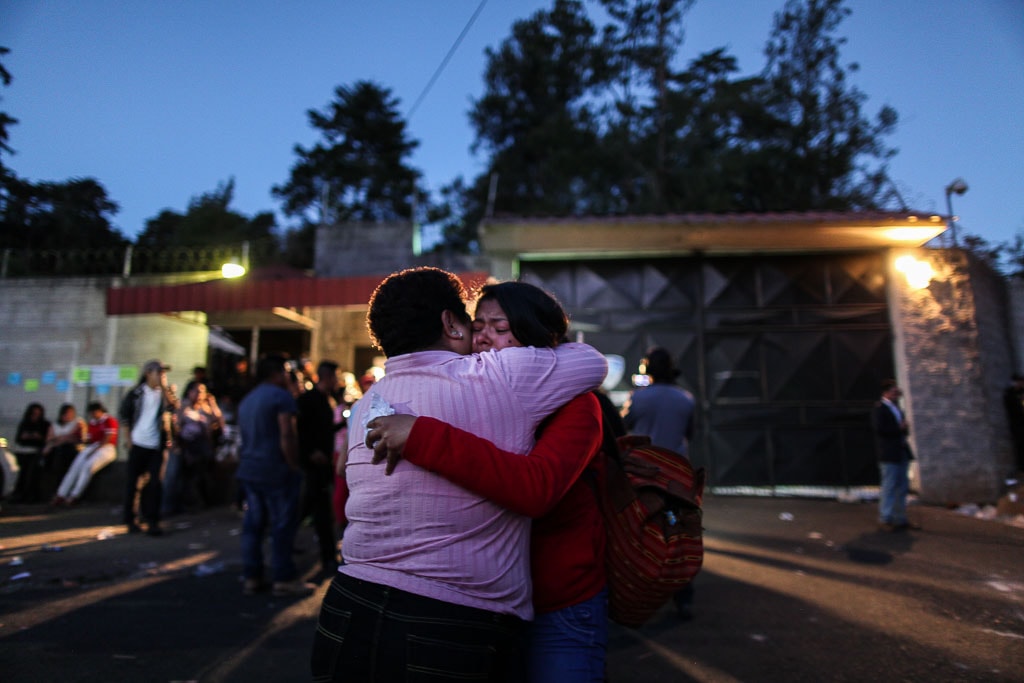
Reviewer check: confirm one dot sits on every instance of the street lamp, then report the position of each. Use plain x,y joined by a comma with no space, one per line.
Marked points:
958,186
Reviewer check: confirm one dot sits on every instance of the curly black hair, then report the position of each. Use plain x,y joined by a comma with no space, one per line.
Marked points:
534,316
405,309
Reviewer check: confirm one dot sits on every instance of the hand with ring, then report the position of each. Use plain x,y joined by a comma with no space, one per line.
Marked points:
386,437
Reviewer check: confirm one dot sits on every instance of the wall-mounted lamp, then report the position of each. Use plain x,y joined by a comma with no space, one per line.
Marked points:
958,186
918,273
232,269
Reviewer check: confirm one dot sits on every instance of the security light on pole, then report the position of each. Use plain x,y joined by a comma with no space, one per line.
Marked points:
958,186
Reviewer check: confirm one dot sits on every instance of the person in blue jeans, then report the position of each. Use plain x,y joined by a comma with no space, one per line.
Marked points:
268,474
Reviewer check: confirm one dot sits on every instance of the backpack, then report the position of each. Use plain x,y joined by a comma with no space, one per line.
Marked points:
650,502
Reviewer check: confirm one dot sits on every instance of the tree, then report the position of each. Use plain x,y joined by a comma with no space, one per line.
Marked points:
819,158
5,119
208,221
205,235
75,214
359,171
642,39
534,119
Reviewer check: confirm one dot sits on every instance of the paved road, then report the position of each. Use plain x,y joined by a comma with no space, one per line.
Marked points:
792,590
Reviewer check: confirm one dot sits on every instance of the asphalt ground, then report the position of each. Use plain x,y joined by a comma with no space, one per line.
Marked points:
791,590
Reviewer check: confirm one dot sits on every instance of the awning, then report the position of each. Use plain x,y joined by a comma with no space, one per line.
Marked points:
249,293
219,340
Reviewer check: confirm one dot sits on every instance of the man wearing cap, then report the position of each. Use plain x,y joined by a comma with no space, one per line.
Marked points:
147,411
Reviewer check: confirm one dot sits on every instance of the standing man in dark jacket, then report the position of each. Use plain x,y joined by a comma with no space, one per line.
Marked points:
147,411
316,446
894,455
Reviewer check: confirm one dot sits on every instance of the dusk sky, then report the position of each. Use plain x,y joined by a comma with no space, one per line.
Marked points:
163,101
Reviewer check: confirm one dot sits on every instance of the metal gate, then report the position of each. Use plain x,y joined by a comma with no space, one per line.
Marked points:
784,353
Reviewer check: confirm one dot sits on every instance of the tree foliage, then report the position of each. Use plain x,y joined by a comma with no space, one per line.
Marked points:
359,170
820,152
534,119
5,119
75,214
577,118
209,220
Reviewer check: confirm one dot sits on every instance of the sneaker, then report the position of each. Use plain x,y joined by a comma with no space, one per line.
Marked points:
888,527
154,530
134,528
285,589
252,587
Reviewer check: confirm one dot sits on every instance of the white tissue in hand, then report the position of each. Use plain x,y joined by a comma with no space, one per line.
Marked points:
378,408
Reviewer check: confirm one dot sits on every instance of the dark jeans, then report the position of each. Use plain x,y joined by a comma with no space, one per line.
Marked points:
56,466
27,489
316,501
144,461
370,632
275,507
187,484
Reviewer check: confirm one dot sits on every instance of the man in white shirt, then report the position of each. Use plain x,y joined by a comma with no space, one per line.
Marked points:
146,410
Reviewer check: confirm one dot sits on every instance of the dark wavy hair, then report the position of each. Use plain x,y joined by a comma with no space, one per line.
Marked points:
27,415
405,309
270,365
534,316
660,365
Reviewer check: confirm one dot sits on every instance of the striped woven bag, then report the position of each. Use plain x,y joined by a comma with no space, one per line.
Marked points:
650,502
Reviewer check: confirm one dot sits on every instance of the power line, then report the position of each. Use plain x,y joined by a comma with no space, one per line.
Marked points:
447,58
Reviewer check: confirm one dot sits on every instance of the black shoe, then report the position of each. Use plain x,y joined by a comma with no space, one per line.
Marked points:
134,528
154,530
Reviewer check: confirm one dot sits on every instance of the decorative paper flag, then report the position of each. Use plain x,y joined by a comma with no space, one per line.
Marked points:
103,389
128,373
63,385
13,378
49,377
31,385
81,374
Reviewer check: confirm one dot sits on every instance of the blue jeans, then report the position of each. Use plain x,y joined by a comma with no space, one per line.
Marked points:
892,499
274,506
569,645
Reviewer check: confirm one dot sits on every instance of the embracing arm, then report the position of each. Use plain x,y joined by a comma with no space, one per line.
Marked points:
528,485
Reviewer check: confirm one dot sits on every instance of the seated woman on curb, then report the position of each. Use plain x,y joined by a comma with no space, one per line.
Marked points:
63,443
568,640
100,450
437,578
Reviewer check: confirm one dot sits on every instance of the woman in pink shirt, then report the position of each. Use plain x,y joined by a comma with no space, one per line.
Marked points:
436,578
567,641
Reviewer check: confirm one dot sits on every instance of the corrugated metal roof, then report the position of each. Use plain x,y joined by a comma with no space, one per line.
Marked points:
250,293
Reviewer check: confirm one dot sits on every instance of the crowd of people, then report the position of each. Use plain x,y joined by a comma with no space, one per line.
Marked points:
453,501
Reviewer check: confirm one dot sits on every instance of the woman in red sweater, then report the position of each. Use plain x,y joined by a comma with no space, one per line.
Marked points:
569,636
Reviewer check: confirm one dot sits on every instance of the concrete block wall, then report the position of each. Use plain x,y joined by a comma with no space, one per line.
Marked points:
341,332
953,355
362,249
380,249
53,324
